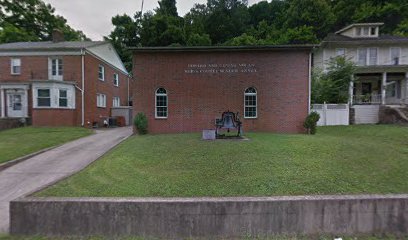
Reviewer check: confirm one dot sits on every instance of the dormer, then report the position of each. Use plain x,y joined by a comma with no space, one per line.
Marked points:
361,30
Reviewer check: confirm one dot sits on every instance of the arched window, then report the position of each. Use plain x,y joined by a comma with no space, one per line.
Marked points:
250,103
161,103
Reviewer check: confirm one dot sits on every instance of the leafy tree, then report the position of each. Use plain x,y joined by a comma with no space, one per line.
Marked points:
168,8
196,39
243,40
32,20
333,86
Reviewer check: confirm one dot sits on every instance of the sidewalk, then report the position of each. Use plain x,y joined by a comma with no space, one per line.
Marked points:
51,166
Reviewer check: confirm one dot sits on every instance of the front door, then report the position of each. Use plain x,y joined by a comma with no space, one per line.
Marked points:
15,106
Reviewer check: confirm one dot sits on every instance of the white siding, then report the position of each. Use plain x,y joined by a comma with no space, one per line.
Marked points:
108,54
366,114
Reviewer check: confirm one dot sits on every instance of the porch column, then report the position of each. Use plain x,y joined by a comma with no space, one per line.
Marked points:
406,88
383,87
351,89
25,101
3,106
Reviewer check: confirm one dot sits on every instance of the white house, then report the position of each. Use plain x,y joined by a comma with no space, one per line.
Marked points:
382,72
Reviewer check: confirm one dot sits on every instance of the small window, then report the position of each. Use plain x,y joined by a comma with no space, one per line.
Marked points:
373,31
340,52
161,103
56,68
100,100
15,66
63,98
358,31
395,55
116,79
250,102
101,73
362,56
372,56
116,102
43,98
365,31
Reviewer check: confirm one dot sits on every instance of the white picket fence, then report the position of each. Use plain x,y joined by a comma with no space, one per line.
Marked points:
332,114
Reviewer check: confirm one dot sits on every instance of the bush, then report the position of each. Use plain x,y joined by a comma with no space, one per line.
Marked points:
311,122
141,123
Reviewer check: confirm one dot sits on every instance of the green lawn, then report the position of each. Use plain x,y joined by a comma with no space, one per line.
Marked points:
18,142
338,160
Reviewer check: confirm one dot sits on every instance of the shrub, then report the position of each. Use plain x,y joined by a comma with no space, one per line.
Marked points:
141,123
311,122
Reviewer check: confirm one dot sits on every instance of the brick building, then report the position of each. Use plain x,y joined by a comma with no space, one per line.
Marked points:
61,83
186,89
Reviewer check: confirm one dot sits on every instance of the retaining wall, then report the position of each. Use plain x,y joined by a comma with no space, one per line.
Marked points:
211,217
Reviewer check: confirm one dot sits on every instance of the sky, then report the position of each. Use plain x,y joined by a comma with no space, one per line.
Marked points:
93,17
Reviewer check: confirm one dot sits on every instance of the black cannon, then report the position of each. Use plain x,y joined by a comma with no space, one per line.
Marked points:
228,120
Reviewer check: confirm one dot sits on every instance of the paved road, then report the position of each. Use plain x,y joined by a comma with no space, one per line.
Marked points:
51,166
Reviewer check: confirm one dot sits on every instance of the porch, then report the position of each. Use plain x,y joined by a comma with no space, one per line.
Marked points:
386,88
14,100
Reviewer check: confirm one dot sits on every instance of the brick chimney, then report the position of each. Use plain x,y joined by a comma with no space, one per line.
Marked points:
57,36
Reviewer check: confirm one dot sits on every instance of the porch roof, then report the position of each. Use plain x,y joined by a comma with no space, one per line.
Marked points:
382,68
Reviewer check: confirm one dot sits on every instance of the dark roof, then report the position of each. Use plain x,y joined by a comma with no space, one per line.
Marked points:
224,48
49,45
381,38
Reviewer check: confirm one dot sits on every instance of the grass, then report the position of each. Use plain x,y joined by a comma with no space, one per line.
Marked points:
338,160
19,142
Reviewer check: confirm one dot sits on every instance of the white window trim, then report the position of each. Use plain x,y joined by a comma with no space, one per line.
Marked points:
344,54
367,57
103,72
399,55
116,102
117,80
59,97
256,99
50,75
103,105
36,97
12,66
155,103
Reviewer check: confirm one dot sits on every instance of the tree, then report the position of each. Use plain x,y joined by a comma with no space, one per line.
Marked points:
333,86
32,20
168,8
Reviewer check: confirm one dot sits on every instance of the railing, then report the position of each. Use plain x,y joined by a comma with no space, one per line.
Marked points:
367,99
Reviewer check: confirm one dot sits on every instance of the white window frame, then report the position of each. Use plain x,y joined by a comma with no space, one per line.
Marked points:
66,98
37,97
100,100
13,65
116,80
116,102
256,103
340,49
59,73
166,106
367,56
399,55
101,71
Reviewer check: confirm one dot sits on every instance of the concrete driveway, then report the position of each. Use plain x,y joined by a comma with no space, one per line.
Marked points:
51,166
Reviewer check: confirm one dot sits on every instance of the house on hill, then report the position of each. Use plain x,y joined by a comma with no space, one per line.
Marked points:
61,83
382,70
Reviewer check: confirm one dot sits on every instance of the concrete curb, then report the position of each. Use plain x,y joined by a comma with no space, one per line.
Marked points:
11,163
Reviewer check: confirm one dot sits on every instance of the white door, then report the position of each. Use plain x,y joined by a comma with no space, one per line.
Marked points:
15,106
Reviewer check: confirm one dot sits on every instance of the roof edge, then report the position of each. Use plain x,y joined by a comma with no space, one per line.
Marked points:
357,25
224,48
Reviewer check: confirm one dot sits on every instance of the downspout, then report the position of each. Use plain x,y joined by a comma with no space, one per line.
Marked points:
310,82
83,87
128,91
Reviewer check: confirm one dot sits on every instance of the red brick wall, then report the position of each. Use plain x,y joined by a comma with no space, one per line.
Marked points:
54,117
93,86
36,68
196,100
